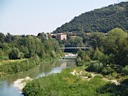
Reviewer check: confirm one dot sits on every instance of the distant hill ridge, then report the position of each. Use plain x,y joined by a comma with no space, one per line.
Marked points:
101,20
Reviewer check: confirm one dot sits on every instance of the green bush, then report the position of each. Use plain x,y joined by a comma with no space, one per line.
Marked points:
95,66
107,70
87,74
79,62
125,70
104,71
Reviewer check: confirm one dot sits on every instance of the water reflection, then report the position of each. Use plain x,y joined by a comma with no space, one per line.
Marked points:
62,64
7,89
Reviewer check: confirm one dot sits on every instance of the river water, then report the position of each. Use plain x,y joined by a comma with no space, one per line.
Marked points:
6,85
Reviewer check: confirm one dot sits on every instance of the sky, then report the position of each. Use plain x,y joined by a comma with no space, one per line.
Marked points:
23,17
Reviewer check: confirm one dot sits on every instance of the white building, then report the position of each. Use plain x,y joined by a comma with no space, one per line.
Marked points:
61,36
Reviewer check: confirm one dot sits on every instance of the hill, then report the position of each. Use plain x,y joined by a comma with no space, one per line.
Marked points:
101,20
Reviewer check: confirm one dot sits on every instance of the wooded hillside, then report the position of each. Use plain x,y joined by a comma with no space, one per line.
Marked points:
101,20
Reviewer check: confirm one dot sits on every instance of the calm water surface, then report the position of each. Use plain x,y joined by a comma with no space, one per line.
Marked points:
7,88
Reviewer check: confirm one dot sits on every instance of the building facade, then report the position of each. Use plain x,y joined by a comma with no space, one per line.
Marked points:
61,36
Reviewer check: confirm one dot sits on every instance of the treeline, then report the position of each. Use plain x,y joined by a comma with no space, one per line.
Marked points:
108,54
21,53
16,47
99,20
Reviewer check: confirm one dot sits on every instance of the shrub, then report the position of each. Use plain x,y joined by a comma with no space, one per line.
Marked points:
104,71
86,74
125,70
95,66
79,62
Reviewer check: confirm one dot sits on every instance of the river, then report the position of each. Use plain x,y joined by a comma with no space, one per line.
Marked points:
6,85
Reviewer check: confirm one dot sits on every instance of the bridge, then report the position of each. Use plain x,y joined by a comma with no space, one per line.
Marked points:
75,48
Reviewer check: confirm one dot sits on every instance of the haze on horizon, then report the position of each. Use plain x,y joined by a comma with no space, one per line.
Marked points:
20,17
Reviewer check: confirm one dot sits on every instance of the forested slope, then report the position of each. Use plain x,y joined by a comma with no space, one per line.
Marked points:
101,20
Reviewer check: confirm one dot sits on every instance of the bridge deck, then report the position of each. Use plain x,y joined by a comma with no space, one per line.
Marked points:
75,48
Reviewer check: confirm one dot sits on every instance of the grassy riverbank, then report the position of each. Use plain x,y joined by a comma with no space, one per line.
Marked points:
24,67
76,82
68,84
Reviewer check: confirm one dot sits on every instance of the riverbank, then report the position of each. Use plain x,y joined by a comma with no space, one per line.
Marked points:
64,84
46,67
20,83
75,81
9,67
16,66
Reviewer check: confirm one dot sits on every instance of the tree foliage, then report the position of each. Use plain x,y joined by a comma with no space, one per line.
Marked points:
115,46
28,48
14,54
110,49
101,20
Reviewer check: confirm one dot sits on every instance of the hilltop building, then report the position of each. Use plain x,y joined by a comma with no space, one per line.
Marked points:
61,36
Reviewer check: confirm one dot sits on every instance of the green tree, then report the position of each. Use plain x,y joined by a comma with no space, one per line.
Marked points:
9,38
125,70
96,39
1,54
15,54
123,53
2,37
76,42
116,43
98,55
42,36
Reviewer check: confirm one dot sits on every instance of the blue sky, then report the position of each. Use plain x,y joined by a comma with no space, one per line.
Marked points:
34,16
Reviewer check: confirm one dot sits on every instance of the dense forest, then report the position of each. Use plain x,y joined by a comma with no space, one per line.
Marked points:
101,20
21,53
